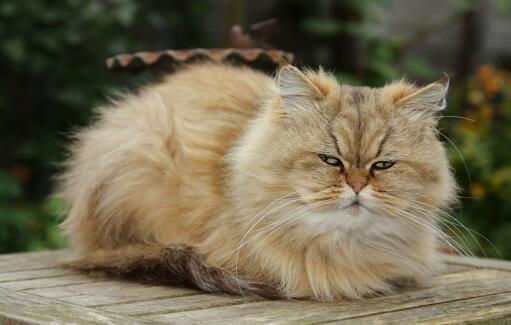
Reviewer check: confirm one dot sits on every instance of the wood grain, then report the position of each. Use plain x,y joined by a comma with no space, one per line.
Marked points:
110,293
35,274
454,268
23,308
475,262
445,288
47,282
35,290
178,304
488,309
31,261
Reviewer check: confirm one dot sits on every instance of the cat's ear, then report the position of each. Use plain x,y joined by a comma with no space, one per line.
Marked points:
428,100
297,92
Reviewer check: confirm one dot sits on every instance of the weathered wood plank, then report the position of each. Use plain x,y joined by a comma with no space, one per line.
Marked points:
485,263
445,288
35,274
488,309
178,304
23,308
461,291
454,268
48,282
110,292
31,261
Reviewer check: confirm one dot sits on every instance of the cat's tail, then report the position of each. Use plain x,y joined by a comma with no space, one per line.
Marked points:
174,265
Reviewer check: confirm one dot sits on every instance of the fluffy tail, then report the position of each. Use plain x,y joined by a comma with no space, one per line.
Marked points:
174,265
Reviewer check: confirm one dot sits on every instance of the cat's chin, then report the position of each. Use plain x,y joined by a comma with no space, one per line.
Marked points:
352,220
347,219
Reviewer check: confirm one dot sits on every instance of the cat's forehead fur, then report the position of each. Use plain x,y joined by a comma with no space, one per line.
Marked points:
362,120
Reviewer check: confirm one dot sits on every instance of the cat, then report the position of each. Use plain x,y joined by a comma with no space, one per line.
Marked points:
226,179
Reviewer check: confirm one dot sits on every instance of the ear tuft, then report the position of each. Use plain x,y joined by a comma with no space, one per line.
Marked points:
399,90
297,91
428,99
292,82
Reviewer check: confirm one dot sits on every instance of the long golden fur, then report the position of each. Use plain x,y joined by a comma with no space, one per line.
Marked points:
225,160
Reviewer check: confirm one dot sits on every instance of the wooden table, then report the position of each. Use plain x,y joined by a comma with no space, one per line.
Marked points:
34,290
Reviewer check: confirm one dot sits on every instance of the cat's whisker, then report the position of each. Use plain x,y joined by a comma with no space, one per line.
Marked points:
283,221
411,220
437,232
448,225
265,215
459,117
259,220
423,211
277,222
297,211
307,208
461,250
270,205
458,223
455,222
418,221
459,154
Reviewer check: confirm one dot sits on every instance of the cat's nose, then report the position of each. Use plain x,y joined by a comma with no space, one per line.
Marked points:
357,187
357,179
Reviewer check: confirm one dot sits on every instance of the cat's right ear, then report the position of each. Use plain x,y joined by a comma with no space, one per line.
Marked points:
297,92
428,100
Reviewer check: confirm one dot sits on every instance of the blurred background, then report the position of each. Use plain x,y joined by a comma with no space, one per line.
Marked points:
52,72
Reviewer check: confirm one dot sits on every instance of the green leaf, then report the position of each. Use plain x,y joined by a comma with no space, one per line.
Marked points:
14,49
322,27
418,67
9,187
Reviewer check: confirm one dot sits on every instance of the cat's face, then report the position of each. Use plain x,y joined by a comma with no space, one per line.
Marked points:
354,155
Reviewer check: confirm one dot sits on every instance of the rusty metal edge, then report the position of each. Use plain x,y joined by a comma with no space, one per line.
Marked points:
146,59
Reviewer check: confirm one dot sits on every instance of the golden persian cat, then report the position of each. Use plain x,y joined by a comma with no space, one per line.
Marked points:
226,179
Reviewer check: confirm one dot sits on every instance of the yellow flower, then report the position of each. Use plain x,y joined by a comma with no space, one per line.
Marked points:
501,178
486,113
477,190
476,97
485,71
489,78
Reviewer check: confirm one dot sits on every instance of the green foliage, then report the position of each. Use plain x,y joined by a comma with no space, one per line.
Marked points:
19,227
370,58
52,72
483,136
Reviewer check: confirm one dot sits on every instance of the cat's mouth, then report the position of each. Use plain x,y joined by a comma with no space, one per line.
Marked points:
355,201
356,205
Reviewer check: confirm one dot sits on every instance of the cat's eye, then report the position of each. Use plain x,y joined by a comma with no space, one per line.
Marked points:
380,165
330,160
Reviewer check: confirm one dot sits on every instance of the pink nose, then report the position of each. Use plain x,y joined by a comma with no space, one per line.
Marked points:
357,179
358,186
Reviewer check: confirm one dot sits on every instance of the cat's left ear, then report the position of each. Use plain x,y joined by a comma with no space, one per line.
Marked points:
297,92
427,100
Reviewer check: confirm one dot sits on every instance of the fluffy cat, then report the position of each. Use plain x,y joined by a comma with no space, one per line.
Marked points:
223,178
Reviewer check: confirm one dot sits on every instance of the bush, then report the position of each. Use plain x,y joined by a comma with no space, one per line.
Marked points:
482,159
53,72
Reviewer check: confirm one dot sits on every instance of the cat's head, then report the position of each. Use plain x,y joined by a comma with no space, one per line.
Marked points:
347,155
